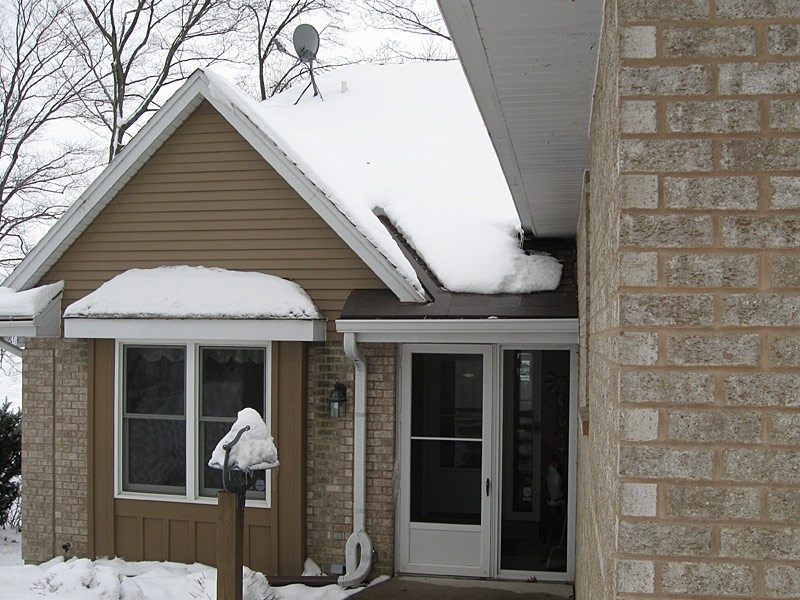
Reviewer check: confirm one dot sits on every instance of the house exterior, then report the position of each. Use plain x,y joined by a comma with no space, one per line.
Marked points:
642,443
139,356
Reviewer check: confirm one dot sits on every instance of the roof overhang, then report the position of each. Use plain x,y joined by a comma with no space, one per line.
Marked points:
41,319
242,330
531,65
473,331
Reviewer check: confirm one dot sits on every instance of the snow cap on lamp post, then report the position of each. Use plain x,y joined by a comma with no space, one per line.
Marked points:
245,449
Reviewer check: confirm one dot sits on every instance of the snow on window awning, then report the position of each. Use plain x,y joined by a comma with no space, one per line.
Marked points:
31,313
407,140
191,302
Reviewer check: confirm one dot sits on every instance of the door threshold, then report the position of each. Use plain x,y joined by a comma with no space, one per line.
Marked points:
556,589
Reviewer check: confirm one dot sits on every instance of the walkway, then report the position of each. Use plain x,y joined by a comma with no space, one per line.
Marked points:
435,588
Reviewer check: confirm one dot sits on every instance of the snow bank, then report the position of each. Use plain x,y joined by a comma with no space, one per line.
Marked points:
116,579
182,292
407,139
254,451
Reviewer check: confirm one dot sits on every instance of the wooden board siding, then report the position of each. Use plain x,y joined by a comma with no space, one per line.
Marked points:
274,538
206,198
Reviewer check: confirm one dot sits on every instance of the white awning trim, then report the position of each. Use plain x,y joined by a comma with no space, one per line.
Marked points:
243,330
31,313
490,331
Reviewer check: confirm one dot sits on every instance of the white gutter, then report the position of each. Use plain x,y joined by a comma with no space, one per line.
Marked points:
358,568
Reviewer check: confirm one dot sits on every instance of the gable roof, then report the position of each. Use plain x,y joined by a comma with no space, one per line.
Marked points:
405,141
158,129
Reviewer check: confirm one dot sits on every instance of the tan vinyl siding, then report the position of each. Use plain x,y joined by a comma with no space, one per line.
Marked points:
186,532
206,198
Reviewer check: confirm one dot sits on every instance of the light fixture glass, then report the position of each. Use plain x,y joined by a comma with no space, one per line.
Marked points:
338,400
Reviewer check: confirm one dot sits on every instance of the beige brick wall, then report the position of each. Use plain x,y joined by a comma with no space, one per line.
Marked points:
330,455
54,448
701,398
598,289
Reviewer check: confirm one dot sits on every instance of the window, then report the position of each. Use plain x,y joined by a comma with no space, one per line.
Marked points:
176,402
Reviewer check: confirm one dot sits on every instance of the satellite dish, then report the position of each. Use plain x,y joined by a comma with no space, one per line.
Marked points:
306,42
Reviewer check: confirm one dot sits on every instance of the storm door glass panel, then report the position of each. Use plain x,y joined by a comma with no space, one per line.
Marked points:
230,379
536,398
446,438
154,419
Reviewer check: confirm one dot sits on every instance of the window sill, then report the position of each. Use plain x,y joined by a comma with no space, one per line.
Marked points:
249,503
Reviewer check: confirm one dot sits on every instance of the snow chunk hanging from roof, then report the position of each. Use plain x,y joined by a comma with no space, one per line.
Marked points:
408,139
254,451
183,292
29,303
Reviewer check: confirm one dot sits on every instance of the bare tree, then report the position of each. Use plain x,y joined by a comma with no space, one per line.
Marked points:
134,49
421,17
270,25
39,84
420,20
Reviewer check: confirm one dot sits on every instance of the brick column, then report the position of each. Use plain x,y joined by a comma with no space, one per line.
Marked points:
54,448
330,455
707,302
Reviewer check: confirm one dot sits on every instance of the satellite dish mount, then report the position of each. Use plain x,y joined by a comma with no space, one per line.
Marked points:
306,44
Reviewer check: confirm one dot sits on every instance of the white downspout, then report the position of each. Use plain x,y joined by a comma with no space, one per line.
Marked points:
358,567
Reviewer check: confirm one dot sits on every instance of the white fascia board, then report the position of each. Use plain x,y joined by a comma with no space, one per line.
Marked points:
20,328
490,331
100,192
318,201
245,330
459,16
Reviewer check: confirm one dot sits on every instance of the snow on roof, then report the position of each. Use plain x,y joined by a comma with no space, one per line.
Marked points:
29,303
408,140
182,292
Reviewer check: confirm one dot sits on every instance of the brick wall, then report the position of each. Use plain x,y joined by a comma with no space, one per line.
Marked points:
54,448
706,305
330,455
598,279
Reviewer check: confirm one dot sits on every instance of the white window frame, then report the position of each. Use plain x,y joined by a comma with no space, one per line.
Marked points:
192,417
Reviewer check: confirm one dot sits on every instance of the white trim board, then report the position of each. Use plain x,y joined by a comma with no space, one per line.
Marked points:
477,331
244,330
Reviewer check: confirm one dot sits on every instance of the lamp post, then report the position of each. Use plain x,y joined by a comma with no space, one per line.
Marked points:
230,523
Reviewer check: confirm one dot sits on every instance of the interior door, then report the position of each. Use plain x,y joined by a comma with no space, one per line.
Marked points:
445,446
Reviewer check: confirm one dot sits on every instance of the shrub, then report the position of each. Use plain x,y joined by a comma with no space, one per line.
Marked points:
10,460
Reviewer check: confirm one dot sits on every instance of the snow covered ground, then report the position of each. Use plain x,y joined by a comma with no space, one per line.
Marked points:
83,579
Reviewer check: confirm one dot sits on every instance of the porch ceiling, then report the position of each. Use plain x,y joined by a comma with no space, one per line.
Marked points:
531,65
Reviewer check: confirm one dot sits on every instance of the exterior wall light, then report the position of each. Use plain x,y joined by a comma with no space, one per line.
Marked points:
338,400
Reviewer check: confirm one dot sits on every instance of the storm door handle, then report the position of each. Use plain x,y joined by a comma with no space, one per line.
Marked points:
487,486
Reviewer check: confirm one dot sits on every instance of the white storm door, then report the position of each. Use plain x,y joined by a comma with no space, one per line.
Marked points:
445,460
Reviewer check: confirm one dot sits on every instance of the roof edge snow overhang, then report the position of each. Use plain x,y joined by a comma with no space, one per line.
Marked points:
142,147
45,323
243,330
474,331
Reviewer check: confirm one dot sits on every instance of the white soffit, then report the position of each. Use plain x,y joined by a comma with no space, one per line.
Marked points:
531,66
473,331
